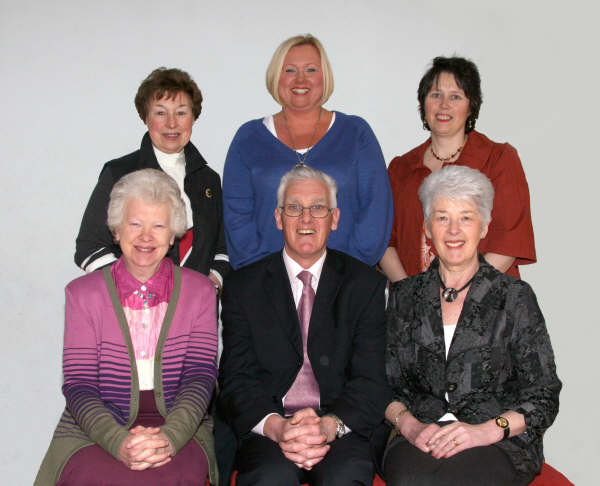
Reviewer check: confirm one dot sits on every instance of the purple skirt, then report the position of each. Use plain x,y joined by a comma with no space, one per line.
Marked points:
93,466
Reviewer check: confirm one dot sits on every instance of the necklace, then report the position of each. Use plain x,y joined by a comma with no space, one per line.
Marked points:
448,293
447,159
302,157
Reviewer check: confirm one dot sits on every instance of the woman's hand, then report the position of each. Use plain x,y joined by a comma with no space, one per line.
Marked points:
459,436
416,432
216,281
145,447
413,430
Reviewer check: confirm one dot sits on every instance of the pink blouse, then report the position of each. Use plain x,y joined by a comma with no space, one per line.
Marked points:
144,305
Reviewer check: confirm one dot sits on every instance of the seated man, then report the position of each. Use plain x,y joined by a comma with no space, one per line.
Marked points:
302,373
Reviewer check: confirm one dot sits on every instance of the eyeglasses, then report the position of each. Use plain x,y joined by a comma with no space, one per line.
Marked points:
316,211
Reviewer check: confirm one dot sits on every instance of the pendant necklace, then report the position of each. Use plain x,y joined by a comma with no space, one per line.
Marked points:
301,157
443,160
448,293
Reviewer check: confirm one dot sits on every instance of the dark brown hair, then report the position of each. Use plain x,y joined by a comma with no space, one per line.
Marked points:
167,82
467,78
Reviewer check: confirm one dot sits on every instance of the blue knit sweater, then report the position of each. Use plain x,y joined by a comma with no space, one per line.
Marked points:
349,152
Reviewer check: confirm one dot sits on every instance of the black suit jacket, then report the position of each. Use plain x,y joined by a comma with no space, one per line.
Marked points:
262,345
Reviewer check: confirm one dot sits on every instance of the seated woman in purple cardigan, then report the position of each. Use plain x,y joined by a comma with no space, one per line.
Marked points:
139,358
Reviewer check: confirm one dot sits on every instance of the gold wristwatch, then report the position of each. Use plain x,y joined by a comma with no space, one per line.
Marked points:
502,422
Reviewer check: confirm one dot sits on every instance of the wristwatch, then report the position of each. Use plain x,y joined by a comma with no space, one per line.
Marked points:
502,422
340,428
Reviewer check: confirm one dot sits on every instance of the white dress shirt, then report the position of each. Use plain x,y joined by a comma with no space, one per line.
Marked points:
293,268
448,335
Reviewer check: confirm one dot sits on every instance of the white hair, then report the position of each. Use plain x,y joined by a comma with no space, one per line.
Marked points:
151,186
304,173
458,183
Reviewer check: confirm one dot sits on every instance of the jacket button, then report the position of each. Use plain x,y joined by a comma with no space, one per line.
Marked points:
451,387
324,360
453,411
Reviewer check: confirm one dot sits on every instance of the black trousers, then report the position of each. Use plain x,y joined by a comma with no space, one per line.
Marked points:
405,465
260,462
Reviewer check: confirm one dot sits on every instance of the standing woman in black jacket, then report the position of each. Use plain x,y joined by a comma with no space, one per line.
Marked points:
168,102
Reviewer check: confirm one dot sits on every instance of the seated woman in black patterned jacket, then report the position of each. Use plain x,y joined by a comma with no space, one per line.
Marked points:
468,355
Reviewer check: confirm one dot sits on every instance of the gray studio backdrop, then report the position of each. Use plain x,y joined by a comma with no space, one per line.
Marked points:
70,70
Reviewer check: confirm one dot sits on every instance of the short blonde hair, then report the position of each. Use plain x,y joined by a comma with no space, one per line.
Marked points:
152,186
274,69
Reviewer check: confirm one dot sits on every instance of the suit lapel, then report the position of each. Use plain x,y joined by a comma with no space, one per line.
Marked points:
430,315
279,295
330,282
469,329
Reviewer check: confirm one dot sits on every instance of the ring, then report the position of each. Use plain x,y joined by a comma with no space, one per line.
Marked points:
455,442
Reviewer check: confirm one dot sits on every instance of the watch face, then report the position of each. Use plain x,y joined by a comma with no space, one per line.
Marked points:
501,422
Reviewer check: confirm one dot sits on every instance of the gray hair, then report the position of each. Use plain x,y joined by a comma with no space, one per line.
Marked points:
151,186
304,173
458,183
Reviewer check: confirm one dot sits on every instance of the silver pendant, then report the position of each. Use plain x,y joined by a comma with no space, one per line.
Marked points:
449,294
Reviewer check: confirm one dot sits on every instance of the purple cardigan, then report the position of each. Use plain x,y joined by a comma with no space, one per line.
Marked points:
100,375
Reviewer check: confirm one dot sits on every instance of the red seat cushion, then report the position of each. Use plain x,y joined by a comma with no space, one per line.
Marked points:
378,481
550,477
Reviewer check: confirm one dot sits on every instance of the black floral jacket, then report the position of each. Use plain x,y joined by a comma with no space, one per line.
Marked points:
500,357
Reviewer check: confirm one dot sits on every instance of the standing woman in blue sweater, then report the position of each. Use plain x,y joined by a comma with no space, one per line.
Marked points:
299,78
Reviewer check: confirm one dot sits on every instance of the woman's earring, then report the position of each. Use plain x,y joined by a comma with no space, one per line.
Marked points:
426,125
470,124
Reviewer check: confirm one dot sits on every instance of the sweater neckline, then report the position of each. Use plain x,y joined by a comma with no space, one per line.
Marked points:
266,133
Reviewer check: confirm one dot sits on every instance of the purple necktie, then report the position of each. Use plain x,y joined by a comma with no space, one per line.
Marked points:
304,392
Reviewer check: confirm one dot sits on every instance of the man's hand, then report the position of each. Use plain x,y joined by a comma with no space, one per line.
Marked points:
302,437
328,428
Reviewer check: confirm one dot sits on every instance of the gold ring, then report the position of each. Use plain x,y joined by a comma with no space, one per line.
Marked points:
455,442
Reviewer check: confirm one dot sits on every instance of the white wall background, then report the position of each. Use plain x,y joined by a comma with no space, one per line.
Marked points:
70,70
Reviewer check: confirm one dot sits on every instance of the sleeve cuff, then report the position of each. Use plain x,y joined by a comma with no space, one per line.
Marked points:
259,427
98,262
221,266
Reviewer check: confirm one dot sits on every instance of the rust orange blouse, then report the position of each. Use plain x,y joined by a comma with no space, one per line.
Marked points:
510,232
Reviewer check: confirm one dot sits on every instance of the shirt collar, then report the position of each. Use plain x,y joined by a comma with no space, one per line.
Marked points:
160,284
293,268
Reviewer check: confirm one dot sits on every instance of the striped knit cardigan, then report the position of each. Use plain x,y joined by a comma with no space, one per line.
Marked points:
100,375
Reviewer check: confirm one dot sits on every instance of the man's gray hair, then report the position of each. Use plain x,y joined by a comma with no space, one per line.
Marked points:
151,186
304,173
458,183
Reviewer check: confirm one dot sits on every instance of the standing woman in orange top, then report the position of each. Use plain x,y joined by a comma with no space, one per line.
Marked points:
449,100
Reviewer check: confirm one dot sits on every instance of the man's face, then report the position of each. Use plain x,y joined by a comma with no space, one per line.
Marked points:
305,236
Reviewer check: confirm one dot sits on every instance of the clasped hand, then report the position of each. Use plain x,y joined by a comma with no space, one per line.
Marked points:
303,437
145,447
